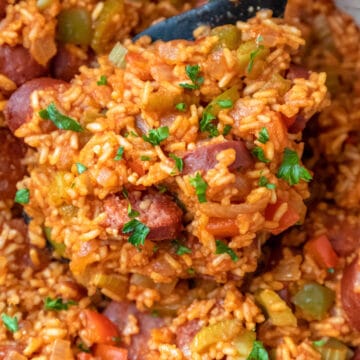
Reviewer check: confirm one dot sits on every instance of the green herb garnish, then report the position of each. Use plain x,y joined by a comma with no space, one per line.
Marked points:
227,129
162,188
290,170
179,164
80,168
22,196
57,304
60,120
131,212
139,232
156,136
82,347
181,107
207,125
102,81
181,249
320,342
259,153
200,187
145,158
258,352
11,323
192,71
263,181
263,135
119,153
225,104
222,248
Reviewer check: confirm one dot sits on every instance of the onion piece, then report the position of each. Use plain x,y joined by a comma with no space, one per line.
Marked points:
61,350
117,56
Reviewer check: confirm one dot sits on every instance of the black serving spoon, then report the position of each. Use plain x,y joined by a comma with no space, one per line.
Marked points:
214,13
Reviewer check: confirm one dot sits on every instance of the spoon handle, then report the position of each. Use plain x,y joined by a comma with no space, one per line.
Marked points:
214,13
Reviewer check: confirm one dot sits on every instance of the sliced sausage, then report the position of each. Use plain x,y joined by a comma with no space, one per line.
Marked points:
204,157
156,210
350,293
185,334
3,4
12,150
118,313
65,65
18,109
297,72
18,65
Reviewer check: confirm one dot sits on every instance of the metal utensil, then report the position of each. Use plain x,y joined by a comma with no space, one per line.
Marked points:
214,13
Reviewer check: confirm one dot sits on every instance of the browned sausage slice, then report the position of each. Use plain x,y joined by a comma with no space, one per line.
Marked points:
350,293
18,65
297,72
18,109
156,210
12,150
185,334
204,157
65,65
118,313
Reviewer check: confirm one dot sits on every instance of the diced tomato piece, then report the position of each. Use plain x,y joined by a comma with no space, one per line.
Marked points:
108,352
84,356
222,227
100,328
321,250
289,218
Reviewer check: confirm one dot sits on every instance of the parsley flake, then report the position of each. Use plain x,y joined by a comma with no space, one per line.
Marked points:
227,129
60,120
290,170
102,81
82,347
145,158
181,249
156,136
179,164
330,270
181,106
263,181
207,125
263,135
162,188
139,232
253,56
131,212
119,153
57,304
80,168
320,342
192,71
222,248
225,104
200,187
125,193
11,323
259,153
258,352
22,196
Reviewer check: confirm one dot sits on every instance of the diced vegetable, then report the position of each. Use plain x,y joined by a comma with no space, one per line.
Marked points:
57,304
249,53
22,196
279,83
107,25
334,350
100,329
59,248
74,26
11,323
277,310
321,250
244,344
58,189
230,94
108,352
61,350
117,56
258,352
222,227
225,330
117,284
229,36
314,300
44,4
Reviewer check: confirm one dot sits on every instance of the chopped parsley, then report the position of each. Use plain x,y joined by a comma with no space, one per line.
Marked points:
80,168
102,81
132,133
200,186
82,347
207,125
225,104
192,71
119,153
320,342
259,153
60,120
227,129
330,270
22,196
125,193
57,304
258,352
11,323
162,188
263,135
290,170
222,248
255,53
131,212
145,158
263,181
179,164
181,106
156,136
138,230
181,249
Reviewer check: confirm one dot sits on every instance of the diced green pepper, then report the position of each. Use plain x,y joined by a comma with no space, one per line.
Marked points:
244,344
74,26
334,350
314,300
277,310
229,94
250,53
222,331
59,248
115,283
279,83
107,25
229,36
